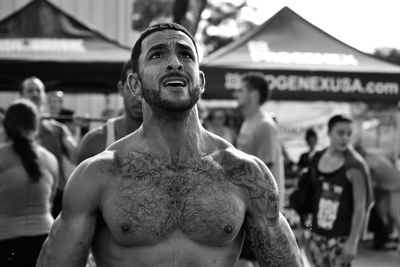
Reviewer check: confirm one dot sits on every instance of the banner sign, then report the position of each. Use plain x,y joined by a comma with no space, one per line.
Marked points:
259,51
38,45
344,85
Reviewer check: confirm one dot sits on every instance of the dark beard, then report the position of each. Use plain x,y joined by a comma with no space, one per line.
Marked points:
152,97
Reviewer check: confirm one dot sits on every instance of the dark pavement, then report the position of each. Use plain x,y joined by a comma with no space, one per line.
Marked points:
368,257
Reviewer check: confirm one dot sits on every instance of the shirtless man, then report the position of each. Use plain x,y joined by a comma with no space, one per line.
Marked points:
171,193
100,138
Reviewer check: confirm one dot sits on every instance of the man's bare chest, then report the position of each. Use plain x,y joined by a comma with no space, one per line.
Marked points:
150,200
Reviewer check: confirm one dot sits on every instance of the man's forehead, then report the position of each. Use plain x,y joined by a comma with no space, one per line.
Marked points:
32,84
166,37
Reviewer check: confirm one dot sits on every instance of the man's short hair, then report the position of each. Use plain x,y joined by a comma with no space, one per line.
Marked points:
137,48
124,71
338,118
256,81
21,85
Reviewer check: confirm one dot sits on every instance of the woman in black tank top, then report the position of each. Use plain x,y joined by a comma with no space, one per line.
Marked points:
341,196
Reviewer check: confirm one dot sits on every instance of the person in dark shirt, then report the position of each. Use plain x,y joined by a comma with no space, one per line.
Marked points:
342,198
311,139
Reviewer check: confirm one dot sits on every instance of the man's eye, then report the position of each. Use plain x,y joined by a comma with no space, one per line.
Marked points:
155,55
187,55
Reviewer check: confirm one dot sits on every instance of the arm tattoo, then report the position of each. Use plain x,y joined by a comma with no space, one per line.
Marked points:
262,189
272,249
273,208
268,233
241,174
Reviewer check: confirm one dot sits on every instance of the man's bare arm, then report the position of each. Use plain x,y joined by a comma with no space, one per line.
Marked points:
272,241
69,143
71,234
274,244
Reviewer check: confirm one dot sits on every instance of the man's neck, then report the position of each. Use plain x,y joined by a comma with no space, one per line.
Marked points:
176,135
250,110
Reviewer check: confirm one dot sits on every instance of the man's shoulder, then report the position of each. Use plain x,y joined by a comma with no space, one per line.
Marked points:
101,163
248,172
267,121
233,157
90,179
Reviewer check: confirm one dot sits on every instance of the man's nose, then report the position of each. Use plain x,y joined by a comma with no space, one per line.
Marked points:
35,92
174,63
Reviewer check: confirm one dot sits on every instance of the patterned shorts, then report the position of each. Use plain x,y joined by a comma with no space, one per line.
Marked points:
326,252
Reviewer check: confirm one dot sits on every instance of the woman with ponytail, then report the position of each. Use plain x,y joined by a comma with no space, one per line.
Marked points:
28,179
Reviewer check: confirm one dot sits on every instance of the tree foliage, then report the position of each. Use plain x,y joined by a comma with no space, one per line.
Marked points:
388,54
222,23
145,12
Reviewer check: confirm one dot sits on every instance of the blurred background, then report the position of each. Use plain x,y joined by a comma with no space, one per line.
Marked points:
78,47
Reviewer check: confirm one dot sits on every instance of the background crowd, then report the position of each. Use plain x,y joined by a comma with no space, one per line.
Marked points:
42,142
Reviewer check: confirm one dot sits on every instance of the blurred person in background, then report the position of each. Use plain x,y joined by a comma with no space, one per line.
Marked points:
55,104
216,122
109,110
2,133
386,183
258,136
98,139
300,170
342,198
311,139
28,181
2,111
53,135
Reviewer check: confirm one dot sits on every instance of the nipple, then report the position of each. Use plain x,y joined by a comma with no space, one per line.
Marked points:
228,229
125,227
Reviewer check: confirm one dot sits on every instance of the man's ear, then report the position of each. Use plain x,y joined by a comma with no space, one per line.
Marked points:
202,78
134,84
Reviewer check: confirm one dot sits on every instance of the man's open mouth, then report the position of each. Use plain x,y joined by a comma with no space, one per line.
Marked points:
174,82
